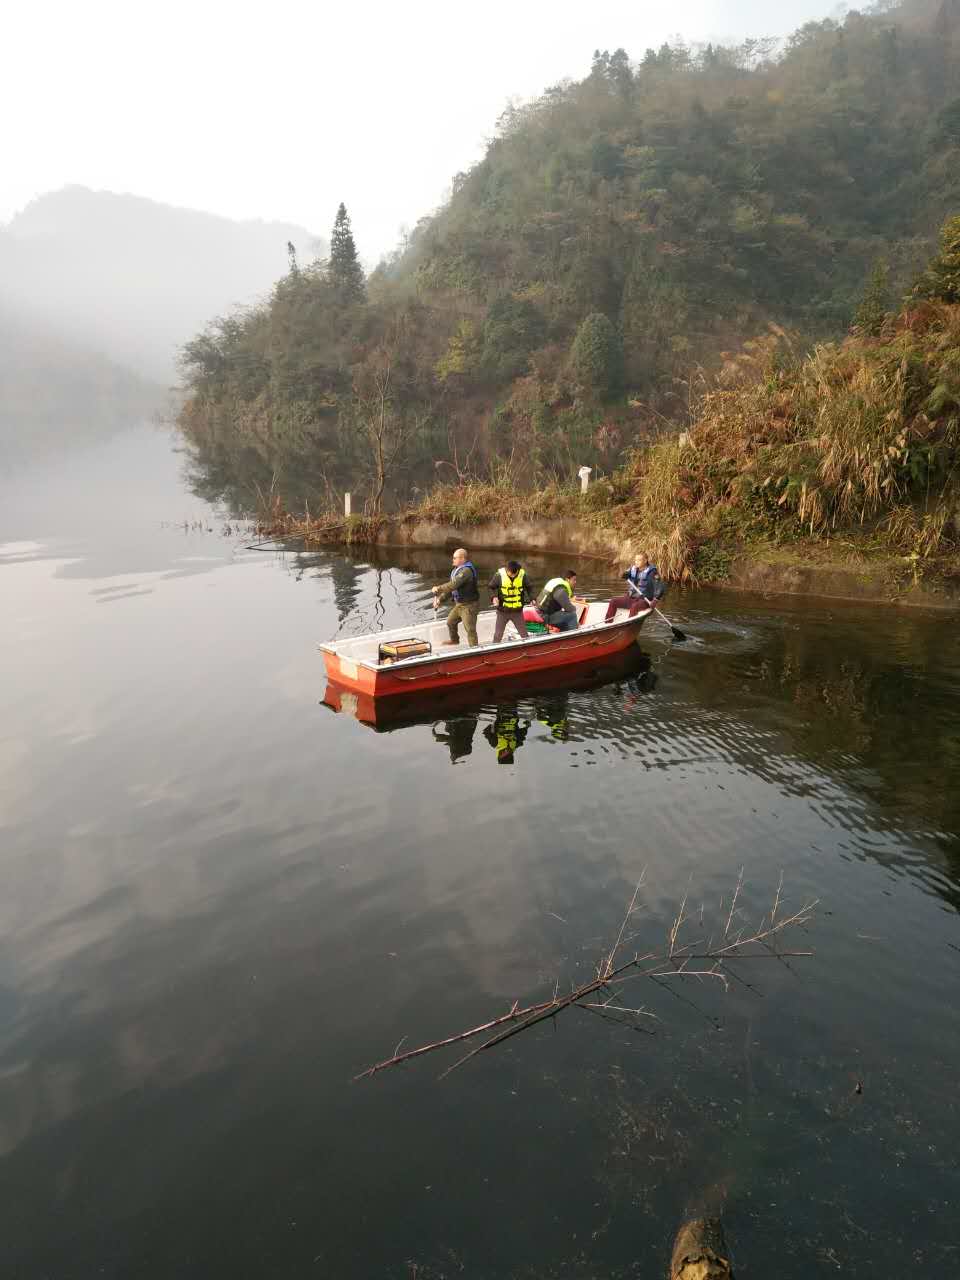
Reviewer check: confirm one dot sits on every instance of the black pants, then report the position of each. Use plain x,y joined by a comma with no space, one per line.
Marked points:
509,615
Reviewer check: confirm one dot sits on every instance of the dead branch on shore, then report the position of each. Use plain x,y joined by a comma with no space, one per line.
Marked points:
703,958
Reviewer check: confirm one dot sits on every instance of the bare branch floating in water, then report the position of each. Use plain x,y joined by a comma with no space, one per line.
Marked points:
701,960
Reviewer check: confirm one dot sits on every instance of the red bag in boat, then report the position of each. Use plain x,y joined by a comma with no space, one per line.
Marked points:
531,613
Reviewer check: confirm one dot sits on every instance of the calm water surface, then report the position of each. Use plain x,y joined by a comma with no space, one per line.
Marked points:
221,900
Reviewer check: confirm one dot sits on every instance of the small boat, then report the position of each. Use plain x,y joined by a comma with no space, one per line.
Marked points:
360,665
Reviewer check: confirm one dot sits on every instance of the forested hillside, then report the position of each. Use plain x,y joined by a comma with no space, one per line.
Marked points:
586,277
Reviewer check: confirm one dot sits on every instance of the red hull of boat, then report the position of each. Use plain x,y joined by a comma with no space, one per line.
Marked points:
471,666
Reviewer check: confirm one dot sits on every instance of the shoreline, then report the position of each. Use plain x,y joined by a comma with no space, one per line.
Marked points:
806,571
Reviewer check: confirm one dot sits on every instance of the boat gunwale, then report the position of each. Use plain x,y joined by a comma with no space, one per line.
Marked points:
471,650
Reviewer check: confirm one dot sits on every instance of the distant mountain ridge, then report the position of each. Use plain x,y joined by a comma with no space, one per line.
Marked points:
134,278
56,393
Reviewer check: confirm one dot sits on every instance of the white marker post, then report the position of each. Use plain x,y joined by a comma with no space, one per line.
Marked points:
584,474
346,504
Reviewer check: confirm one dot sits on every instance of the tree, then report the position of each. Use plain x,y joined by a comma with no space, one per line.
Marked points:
597,354
346,273
385,416
874,305
941,280
512,329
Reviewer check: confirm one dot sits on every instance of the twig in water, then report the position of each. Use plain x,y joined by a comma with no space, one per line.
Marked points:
699,959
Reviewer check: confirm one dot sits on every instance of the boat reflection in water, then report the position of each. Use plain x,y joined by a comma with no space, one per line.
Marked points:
511,705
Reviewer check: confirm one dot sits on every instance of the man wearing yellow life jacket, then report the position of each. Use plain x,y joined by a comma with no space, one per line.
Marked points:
556,602
510,591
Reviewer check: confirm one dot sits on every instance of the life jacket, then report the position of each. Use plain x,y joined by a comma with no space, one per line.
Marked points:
511,590
559,727
470,593
646,581
508,735
546,603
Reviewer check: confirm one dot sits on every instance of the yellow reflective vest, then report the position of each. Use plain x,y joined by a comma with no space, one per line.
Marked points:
511,590
545,603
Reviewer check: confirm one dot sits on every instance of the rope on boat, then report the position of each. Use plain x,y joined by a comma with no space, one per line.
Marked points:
490,662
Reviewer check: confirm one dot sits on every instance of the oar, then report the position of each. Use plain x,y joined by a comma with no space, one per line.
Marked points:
678,635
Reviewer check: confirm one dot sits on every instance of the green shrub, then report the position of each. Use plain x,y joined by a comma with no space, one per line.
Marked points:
597,355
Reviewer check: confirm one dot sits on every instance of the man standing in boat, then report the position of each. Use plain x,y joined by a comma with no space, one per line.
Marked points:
464,588
511,591
644,588
556,602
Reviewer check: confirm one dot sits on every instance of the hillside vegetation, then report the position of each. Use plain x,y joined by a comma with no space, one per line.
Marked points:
583,283
850,452
858,443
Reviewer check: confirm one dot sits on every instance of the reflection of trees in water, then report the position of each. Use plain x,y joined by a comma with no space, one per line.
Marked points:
875,712
863,726
869,708
243,475
345,577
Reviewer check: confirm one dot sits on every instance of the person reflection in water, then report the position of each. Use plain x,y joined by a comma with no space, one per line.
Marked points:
552,712
458,735
638,685
506,735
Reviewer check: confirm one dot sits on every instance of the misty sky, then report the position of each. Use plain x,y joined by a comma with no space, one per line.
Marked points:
280,110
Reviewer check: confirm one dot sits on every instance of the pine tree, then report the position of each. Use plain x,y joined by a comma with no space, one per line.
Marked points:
597,354
346,273
875,302
941,280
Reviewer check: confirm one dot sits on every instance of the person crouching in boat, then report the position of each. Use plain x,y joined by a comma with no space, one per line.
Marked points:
556,602
644,589
464,588
511,590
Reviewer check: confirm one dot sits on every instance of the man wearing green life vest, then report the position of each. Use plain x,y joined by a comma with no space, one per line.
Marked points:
510,590
556,602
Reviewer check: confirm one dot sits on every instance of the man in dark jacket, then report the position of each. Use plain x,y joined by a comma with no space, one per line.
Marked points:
511,590
644,588
556,602
465,590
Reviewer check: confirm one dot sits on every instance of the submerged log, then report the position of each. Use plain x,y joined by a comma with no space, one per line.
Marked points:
700,1252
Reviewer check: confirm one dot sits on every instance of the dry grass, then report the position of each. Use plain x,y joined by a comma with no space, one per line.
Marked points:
864,435
475,502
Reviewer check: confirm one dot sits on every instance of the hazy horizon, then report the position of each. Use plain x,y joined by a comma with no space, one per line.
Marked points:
384,121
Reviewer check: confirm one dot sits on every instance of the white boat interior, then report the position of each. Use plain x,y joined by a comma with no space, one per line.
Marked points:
366,649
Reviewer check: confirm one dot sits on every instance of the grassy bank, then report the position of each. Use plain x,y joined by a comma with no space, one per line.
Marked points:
857,443
849,455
